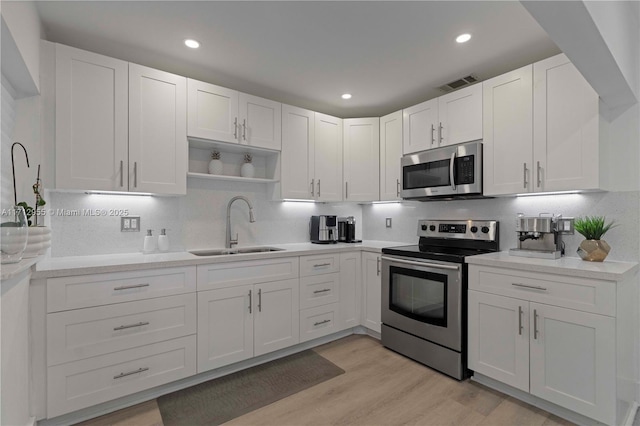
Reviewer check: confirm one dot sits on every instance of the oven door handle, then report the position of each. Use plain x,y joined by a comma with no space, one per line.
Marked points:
423,264
451,171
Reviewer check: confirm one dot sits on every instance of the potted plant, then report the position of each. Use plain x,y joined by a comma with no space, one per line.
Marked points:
592,228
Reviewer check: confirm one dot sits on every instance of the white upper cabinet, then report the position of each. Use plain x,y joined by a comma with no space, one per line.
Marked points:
508,132
450,119
390,155
220,114
119,126
157,131
565,127
327,158
298,136
361,147
91,121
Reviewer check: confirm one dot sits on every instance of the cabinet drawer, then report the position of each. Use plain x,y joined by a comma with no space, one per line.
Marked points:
221,275
575,293
319,264
88,332
319,290
102,289
319,321
91,381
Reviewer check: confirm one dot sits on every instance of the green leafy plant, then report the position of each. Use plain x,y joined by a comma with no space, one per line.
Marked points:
592,227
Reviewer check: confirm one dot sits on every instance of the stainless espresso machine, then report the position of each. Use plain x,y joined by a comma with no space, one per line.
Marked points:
541,236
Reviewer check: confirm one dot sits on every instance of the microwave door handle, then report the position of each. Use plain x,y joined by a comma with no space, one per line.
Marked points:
451,174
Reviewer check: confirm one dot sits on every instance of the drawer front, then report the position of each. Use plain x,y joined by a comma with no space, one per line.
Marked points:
89,332
88,382
319,290
319,264
318,322
221,275
102,289
581,294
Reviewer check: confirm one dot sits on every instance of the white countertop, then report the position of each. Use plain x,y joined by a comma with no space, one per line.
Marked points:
10,270
81,265
608,270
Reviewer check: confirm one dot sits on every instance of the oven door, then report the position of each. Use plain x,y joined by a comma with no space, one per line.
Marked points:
423,298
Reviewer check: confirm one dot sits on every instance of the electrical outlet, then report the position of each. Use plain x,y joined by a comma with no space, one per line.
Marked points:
130,224
388,222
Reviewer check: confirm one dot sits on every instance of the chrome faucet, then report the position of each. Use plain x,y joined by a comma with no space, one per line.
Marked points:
229,241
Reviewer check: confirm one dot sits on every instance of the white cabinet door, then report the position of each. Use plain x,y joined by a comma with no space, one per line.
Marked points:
91,121
212,112
499,338
390,155
372,288
350,289
573,360
460,116
420,124
361,162
328,158
158,145
565,127
508,133
225,326
298,136
261,122
276,316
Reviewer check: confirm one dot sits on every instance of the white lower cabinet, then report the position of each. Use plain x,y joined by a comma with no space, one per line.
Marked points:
372,288
560,354
350,289
237,323
319,321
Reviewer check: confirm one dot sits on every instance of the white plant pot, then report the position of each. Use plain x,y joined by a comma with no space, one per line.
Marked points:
215,167
247,170
38,241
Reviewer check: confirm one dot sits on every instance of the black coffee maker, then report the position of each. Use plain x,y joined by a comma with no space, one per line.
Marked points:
347,230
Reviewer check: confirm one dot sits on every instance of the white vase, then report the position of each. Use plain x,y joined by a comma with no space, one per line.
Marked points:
247,170
215,167
38,241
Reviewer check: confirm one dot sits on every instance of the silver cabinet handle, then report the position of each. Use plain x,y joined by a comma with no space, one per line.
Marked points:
378,261
124,327
321,322
538,173
440,137
250,301
139,370
127,287
313,187
318,187
433,139
397,187
525,176
533,287
318,265
235,128
451,171
121,173
324,290
259,300
520,320
244,129
535,324
423,264
135,174
346,190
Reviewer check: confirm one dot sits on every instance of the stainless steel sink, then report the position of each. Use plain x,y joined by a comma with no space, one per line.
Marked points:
240,250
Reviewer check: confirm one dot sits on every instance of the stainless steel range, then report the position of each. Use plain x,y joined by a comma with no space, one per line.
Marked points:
424,292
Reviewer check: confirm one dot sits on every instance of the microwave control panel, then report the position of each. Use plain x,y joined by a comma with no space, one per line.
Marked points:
464,170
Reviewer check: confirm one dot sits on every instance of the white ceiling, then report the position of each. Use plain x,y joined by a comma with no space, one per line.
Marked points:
389,55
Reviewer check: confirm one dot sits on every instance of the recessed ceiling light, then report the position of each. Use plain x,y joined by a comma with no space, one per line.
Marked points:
346,96
192,43
463,38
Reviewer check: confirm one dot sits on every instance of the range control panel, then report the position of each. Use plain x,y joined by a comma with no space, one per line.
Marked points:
460,229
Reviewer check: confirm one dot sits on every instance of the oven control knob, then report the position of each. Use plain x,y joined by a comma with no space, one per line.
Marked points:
474,229
485,229
432,228
424,227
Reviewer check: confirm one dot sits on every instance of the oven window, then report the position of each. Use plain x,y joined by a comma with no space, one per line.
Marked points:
418,295
426,175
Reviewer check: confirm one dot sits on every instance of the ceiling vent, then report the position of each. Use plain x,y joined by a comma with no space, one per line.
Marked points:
458,84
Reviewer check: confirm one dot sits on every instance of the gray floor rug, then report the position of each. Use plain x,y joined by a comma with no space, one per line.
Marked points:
220,400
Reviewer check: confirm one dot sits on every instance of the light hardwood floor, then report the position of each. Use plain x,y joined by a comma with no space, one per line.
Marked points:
379,387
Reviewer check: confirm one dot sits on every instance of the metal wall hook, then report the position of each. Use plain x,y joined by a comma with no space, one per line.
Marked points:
13,170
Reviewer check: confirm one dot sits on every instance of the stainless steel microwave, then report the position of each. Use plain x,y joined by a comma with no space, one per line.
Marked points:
453,171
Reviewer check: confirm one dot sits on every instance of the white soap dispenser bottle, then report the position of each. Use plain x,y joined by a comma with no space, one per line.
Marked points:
163,241
149,243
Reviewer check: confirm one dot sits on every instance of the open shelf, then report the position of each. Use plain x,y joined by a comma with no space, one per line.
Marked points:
231,178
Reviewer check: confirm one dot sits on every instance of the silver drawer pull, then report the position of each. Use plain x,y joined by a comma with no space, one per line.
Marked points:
324,290
130,373
533,287
321,264
124,327
520,327
127,287
321,322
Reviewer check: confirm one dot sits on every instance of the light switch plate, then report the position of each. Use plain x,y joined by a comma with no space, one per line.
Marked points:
388,222
130,224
